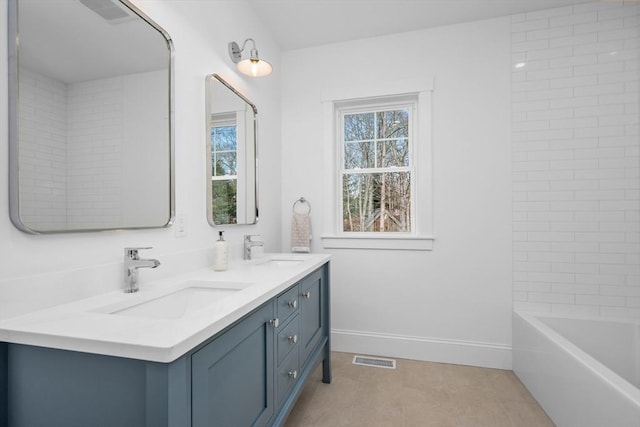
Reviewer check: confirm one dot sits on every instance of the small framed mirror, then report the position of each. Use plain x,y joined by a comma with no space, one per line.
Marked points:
90,117
231,123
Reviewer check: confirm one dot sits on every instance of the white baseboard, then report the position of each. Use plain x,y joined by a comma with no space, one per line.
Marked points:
470,353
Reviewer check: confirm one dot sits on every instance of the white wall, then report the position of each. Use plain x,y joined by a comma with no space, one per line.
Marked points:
38,271
576,160
453,303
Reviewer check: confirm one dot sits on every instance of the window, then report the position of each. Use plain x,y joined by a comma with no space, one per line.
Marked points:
224,174
376,171
377,158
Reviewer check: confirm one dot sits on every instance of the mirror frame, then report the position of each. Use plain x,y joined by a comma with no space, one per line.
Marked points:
208,149
13,118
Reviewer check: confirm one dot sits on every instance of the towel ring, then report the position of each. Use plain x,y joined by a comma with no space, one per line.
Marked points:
302,201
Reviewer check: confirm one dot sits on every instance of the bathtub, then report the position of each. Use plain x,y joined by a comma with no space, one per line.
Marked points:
583,372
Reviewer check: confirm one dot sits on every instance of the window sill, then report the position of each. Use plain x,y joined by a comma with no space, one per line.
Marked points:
378,242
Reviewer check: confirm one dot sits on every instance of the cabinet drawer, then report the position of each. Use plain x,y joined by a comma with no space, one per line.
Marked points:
288,339
287,375
287,304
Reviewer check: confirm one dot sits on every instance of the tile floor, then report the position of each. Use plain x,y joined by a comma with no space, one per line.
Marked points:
420,394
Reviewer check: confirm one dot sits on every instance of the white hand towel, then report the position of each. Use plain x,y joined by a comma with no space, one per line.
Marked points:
301,232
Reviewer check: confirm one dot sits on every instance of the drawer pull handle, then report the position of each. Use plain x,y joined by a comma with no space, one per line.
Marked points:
293,338
307,294
293,374
274,322
293,303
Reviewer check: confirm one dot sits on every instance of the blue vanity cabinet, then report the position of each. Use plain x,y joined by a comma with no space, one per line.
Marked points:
249,374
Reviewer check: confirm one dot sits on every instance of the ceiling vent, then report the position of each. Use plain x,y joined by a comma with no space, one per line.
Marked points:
111,11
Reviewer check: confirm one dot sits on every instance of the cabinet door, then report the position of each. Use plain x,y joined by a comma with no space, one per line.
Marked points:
232,377
311,322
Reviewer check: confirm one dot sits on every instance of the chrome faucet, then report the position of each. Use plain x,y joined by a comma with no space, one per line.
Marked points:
249,243
132,263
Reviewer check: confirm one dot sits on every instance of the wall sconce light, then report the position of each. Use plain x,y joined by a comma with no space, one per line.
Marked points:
254,66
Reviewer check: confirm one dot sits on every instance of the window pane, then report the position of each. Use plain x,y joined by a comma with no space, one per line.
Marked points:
360,154
392,124
393,153
224,163
376,140
358,127
376,202
224,138
224,201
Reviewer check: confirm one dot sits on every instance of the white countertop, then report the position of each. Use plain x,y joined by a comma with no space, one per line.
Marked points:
87,326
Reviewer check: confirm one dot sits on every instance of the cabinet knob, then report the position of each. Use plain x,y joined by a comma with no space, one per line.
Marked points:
307,294
293,374
274,322
293,338
293,303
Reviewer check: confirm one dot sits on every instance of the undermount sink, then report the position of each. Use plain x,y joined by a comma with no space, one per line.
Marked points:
280,262
192,297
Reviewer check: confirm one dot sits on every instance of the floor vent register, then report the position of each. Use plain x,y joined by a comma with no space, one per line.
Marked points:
376,362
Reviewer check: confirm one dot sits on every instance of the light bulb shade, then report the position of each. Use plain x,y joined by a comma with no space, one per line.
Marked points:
255,68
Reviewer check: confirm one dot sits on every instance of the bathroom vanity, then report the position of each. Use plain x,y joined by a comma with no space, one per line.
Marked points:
122,360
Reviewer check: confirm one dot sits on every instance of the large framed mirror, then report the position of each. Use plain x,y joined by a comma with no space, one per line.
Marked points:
232,196
90,117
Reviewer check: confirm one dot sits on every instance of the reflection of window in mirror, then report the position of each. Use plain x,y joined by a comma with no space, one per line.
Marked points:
224,164
231,155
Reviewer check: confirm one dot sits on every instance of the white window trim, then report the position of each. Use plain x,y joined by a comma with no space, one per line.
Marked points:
421,238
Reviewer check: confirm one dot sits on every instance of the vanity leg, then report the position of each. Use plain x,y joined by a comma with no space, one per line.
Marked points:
326,366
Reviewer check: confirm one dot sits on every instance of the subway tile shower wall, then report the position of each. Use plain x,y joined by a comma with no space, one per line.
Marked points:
42,150
94,152
576,159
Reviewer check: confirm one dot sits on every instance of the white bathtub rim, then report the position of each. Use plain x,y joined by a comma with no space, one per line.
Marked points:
628,390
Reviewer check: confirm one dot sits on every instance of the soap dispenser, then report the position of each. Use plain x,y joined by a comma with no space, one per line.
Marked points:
222,254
